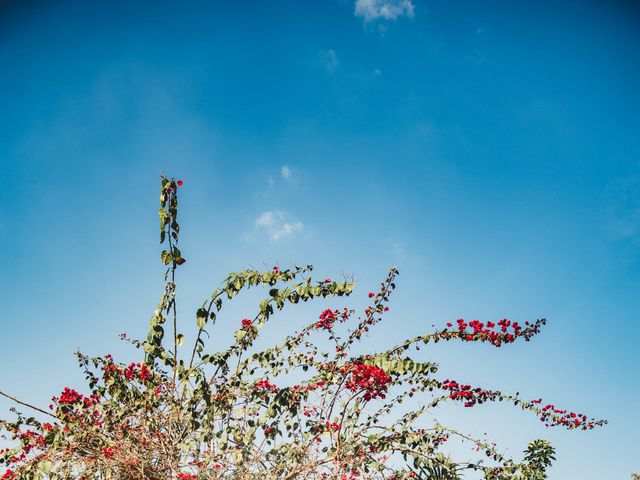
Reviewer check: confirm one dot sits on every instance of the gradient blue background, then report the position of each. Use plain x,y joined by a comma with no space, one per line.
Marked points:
490,150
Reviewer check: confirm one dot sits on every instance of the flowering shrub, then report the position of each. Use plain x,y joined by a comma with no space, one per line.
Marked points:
305,408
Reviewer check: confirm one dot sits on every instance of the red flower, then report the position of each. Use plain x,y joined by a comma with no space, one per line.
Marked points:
69,396
130,372
108,451
327,318
327,280
145,373
265,386
373,380
179,183
246,323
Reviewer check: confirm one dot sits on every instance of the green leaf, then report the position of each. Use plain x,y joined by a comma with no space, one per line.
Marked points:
166,257
201,317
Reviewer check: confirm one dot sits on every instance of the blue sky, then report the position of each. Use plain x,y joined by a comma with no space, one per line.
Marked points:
490,150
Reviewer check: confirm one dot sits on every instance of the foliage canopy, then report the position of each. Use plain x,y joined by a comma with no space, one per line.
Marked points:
305,408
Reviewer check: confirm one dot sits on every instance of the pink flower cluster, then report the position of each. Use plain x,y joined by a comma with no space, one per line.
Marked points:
373,380
132,372
328,317
504,331
466,393
553,416
246,323
69,396
135,371
265,386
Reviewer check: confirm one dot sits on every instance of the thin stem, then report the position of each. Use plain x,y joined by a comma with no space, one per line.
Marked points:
173,304
27,405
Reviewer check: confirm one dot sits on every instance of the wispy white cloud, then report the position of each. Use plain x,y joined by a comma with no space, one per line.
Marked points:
286,172
330,59
372,10
277,225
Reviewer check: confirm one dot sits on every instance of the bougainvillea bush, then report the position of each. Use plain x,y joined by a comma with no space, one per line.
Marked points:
305,408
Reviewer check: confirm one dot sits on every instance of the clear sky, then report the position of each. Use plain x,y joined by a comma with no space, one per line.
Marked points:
490,150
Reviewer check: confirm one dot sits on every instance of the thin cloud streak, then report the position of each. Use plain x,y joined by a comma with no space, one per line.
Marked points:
277,226
330,59
372,10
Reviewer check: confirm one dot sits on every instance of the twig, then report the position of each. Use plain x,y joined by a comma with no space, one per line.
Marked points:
26,404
